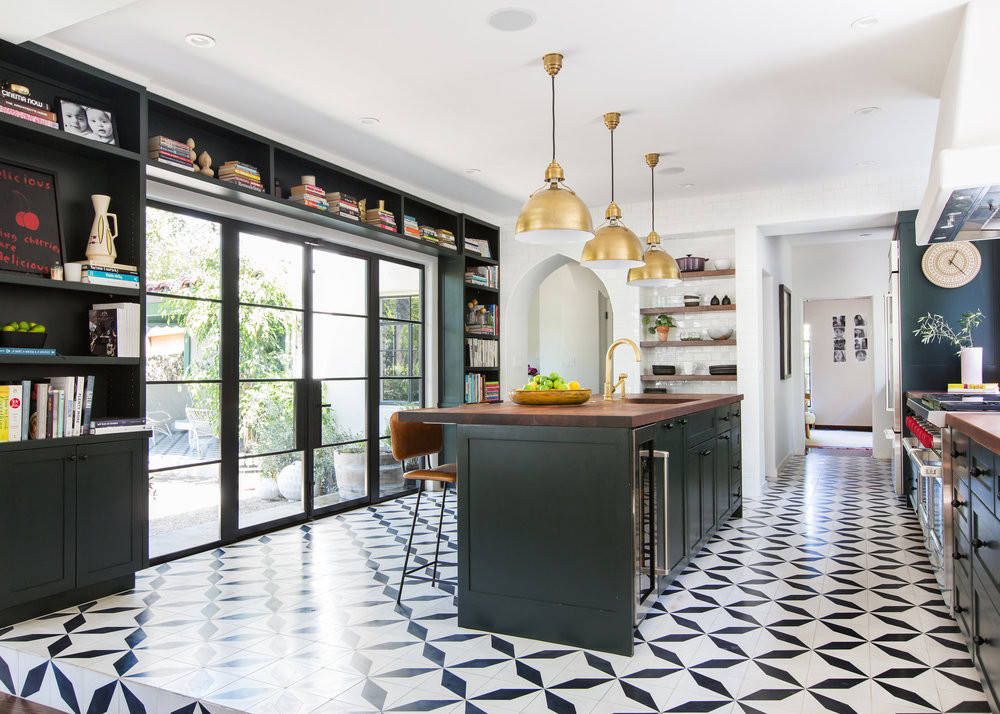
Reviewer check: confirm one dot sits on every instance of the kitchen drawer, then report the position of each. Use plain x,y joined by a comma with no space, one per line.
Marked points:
985,542
982,474
700,426
723,419
959,455
735,409
986,636
961,509
962,552
962,597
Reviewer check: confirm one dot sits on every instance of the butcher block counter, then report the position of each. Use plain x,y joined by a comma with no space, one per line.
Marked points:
571,517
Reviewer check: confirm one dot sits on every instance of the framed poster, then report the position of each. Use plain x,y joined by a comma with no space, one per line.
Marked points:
30,237
785,330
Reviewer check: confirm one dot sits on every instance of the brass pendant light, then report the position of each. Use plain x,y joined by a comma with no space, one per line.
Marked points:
660,269
614,245
553,214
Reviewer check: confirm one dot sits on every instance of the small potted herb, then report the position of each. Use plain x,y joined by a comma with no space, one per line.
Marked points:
660,326
934,328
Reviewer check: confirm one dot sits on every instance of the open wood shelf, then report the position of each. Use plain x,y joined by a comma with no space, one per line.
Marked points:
484,288
689,378
702,274
37,281
689,343
686,310
481,259
21,129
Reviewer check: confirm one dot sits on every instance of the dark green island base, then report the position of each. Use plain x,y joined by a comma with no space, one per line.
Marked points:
569,518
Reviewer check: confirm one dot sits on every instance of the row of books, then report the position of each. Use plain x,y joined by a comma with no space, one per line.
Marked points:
115,330
54,408
987,388
479,389
487,322
21,105
171,152
487,276
113,274
478,246
242,175
343,205
309,194
381,218
482,353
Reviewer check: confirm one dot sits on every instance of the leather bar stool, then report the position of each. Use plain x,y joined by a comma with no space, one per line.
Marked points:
412,440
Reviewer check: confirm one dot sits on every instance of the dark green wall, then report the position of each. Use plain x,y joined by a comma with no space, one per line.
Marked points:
933,366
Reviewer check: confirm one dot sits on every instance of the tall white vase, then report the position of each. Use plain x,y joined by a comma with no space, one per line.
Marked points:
972,365
101,242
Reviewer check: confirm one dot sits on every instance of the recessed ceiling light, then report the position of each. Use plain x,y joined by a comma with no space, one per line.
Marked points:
864,235
864,23
867,111
202,41
867,164
370,121
687,185
511,19
473,172
672,170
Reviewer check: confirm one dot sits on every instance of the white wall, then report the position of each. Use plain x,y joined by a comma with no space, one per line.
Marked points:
785,404
841,391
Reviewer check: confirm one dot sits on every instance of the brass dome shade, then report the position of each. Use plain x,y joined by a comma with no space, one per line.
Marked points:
553,214
614,245
659,269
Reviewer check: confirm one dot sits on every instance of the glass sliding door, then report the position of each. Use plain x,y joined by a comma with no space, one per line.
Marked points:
340,318
400,360
271,465
183,348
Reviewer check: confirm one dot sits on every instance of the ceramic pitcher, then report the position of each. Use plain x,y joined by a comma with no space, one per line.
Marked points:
101,243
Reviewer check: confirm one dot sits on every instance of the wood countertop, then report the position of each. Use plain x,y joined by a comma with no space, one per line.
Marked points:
983,427
634,411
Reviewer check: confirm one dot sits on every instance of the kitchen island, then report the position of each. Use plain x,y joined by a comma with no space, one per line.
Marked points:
571,517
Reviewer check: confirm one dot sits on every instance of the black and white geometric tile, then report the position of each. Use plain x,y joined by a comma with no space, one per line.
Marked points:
820,599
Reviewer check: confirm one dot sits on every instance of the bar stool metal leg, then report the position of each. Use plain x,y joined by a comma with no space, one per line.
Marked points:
437,548
409,543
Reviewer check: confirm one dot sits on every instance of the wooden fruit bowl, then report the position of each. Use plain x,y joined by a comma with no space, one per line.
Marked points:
550,397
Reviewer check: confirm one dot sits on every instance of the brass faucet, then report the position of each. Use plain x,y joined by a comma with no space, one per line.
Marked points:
609,388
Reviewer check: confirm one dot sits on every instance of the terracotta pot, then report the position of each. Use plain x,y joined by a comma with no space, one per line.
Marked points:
661,332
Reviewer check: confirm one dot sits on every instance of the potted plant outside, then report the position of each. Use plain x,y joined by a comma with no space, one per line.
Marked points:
661,327
934,328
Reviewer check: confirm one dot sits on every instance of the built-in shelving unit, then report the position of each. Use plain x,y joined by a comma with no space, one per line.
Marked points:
705,274
653,344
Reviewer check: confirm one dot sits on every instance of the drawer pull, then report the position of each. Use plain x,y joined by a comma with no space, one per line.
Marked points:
737,468
957,556
683,422
958,504
981,641
706,452
978,543
956,454
724,436
668,425
979,471
736,413
959,609
725,418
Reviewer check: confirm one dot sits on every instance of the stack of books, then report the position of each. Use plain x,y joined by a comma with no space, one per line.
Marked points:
482,353
113,274
987,388
478,246
381,218
309,194
242,175
486,276
46,409
447,239
15,101
117,425
411,227
170,152
343,205
479,389
114,329
489,324
429,234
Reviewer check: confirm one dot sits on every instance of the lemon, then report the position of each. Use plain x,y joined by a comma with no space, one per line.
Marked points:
37,328
9,328
574,384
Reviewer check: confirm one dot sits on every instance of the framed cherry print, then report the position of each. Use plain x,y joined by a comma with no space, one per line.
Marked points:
30,236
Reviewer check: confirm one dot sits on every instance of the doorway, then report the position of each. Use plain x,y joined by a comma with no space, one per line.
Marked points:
838,353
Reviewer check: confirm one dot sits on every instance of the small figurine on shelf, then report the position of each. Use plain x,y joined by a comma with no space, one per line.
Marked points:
205,162
191,152
726,300
715,300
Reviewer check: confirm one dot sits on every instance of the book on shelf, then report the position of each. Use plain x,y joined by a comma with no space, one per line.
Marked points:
482,353
169,161
28,116
109,275
117,425
114,329
483,275
967,388
479,389
46,409
112,275
478,246
46,114
447,238
28,351
171,153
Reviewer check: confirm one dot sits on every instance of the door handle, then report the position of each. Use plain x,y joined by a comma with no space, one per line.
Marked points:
73,459
706,452
957,556
724,436
979,471
956,454
959,608
958,504
981,641
977,543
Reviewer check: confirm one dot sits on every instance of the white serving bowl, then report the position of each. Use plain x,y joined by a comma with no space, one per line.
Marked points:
722,263
720,333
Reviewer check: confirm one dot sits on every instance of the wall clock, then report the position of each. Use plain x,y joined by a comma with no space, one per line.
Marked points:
951,265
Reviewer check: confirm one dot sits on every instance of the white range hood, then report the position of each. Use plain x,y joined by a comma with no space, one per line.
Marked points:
962,200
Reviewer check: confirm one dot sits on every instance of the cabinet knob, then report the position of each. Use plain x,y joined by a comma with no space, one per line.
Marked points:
683,422
724,436
668,425
706,452
958,504
959,609
725,418
957,556
73,459
978,471
736,468
978,543
980,640
955,453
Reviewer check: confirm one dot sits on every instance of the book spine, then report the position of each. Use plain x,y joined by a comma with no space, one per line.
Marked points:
34,111
25,409
97,431
118,421
109,282
41,404
28,117
14,407
4,411
88,403
78,405
116,275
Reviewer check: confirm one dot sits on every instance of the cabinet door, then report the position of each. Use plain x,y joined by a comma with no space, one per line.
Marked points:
109,498
692,497
981,474
706,468
723,490
670,438
986,636
736,465
36,522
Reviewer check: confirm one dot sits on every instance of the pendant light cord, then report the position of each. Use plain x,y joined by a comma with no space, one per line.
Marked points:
652,199
553,117
612,166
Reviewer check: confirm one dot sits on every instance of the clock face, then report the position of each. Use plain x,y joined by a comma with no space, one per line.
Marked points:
951,265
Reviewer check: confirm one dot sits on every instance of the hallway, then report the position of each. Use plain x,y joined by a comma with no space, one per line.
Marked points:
819,599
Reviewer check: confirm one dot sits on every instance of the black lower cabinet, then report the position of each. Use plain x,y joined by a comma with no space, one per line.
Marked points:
986,637
723,466
72,523
670,438
706,471
692,497
736,467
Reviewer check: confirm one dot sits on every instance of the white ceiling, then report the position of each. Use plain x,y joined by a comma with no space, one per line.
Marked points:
743,93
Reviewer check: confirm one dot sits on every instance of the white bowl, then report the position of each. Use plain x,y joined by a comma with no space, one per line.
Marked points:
720,333
722,263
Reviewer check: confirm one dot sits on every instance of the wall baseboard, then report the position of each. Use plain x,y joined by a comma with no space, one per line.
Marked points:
841,427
